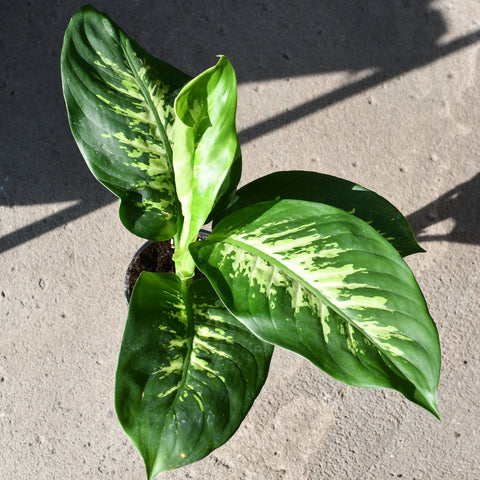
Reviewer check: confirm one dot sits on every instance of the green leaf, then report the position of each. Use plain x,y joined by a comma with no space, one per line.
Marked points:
188,371
205,147
120,103
317,187
320,282
229,187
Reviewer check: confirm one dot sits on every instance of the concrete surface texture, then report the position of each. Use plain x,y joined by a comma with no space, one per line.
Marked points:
381,92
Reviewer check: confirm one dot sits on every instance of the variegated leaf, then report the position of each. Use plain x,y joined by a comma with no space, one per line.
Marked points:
188,371
204,150
318,187
120,103
313,279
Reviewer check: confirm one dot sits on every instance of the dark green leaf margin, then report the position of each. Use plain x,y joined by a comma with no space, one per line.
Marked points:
188,371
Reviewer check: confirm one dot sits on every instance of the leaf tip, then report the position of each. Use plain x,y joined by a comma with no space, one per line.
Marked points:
434,410
150,473
430,403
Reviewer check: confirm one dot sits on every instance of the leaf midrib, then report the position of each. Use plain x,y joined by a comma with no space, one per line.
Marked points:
282,267
161,129
253,250
185,296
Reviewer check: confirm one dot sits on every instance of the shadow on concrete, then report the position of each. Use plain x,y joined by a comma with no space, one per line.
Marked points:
462,205
40,162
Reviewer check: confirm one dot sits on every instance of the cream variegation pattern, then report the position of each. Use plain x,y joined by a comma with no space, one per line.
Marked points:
120,102
188,371
321,282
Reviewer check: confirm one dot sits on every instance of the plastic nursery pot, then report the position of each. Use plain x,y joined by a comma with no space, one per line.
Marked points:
152,257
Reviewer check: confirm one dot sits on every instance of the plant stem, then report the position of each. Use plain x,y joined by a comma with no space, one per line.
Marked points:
184,264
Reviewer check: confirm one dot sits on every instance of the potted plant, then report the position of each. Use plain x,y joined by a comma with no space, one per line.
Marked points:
305,261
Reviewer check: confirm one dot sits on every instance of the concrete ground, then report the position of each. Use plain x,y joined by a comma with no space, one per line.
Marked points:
382,92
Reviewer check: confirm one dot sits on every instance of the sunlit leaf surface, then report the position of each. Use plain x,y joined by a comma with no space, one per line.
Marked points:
206,147
321,282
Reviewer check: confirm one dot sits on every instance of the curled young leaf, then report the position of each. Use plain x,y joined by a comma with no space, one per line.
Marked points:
206,152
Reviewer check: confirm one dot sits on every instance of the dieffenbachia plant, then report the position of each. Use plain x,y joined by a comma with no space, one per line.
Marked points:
302,260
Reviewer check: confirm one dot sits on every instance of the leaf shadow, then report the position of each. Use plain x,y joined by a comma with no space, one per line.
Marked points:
460,204
40,163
